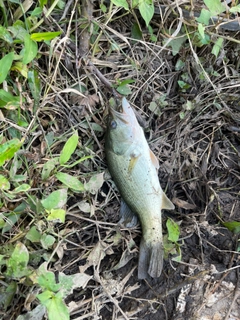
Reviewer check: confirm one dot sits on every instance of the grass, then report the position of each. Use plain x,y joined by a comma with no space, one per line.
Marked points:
61,246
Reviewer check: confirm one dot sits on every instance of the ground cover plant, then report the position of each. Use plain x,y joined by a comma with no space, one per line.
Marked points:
63,254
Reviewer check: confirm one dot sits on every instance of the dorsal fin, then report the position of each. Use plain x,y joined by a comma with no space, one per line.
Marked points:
154,159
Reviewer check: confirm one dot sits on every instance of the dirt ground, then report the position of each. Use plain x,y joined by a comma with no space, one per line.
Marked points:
195,134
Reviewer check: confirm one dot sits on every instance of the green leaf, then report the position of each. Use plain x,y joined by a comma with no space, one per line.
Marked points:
146,9
183,85
8,294
8,149
18,31
121,3
217,47
46,279
233,226
84,206
70,181
162,100
2,223
235,9
70,282
69,148
124,90
49,138
33,235
176,44
136,33
215,6
42,3
55,306
47,241
9,219
48,167
22,188
17,263
153,37
5,65
204,17
21,207
45,296
45,36
77,162
8,101
135,3
201,30
179,65
178,255
61,4
35,86
199,41
189,105
173,230
103,7
15,165
21,68
154,107
36,12
126,81
95,183
4,183
57,199
30,49
5,35
57,215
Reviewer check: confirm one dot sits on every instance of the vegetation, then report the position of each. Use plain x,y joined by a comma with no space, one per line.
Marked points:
60,62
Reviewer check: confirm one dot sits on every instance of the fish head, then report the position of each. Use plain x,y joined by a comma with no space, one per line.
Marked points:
123,128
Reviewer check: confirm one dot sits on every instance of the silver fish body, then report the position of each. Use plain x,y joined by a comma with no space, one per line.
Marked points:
133,167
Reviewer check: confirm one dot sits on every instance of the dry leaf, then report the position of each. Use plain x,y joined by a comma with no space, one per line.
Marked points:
183,204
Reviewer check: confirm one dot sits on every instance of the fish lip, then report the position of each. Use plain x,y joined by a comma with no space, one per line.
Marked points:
120,115
125,105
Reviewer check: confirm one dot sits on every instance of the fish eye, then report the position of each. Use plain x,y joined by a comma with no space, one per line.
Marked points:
113,124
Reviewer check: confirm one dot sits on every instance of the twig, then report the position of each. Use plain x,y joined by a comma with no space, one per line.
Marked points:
68,5
98,73
113,300
87,11
236,295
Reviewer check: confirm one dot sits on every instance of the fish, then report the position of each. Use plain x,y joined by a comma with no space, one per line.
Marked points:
134,170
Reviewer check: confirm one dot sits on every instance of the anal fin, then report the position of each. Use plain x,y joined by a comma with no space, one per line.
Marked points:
167,203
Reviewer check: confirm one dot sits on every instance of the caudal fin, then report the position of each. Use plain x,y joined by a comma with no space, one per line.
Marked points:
150,259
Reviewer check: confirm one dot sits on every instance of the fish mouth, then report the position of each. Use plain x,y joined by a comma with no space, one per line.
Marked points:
123,115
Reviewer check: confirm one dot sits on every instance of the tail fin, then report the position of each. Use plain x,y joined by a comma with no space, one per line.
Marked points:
150,259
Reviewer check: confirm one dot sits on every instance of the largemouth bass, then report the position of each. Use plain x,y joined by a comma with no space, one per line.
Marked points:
133,167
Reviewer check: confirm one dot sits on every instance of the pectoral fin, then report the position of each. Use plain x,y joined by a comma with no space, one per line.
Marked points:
166,203
127,217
